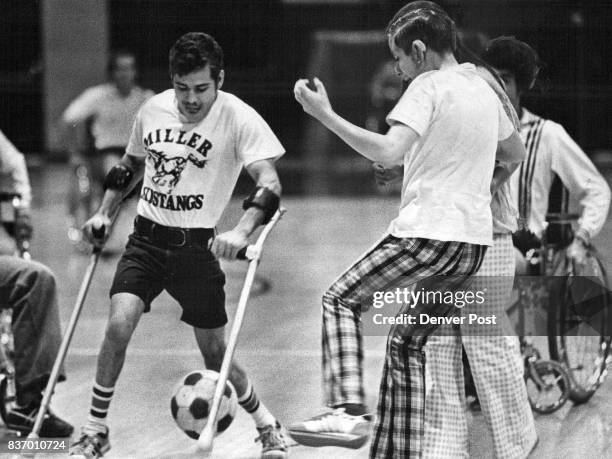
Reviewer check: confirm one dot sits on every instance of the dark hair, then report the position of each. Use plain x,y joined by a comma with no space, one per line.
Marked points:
193,51
111,65
425,21
462,52
512,55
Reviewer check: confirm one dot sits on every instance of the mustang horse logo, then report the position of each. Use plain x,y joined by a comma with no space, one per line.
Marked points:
168,170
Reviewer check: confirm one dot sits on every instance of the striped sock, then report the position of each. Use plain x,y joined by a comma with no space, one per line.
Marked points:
255,408
100,401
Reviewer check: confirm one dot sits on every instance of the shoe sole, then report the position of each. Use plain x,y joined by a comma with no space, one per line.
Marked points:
317,440
274,455
103,451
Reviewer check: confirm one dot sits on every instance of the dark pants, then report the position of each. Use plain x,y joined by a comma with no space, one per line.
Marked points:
29,289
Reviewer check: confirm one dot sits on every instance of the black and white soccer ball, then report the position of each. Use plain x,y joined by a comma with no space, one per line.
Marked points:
192,400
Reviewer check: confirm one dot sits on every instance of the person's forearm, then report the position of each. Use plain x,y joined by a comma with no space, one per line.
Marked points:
375,147
250,221
501,174
113,197
253,216
596,204
110,203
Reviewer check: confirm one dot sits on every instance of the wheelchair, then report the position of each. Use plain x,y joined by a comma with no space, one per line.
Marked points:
9,209
574,304
578,314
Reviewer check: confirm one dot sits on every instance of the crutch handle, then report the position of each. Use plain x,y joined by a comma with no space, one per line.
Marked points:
9,195
241,255
98,233
248,252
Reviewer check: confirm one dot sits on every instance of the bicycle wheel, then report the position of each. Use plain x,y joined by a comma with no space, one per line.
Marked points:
549,388
579,335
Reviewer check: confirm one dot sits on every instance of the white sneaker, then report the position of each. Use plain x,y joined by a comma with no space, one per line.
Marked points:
334,428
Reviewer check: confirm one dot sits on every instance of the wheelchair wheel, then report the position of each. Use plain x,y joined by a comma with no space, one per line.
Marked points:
579,335
7,369
549,389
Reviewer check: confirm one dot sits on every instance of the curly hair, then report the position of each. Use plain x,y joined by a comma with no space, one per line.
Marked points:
517,57
193,51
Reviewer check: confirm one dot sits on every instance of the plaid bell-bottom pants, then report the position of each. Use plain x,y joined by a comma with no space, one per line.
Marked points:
426,264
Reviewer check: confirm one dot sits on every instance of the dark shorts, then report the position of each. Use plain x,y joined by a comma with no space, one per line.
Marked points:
191,275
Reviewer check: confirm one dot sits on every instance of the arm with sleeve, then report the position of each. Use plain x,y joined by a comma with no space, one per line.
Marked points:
416,107
81,108
256,141
581,177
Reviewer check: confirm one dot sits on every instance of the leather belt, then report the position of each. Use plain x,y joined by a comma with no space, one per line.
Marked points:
171,236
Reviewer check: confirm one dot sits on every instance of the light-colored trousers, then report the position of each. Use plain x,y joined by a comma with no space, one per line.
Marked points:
494,355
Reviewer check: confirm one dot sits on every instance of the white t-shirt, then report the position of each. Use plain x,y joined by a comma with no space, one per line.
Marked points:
112,114
191,168
447,175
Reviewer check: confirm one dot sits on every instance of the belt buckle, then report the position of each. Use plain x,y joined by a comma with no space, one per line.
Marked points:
182,233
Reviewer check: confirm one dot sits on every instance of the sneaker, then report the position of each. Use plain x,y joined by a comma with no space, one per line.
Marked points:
22,420
273,444
90,446
334,428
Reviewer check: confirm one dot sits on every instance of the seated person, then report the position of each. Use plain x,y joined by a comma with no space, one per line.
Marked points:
29,289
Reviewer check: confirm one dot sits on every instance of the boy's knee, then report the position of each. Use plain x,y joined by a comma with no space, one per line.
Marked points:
119,331
332,301
329,298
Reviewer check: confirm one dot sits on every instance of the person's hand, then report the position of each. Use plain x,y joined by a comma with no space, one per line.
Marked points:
92,229
228,244
23,225
387,176
577,252
315,103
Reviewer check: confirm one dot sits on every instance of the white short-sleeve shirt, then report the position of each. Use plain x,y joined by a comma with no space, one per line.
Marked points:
112,113
191,168
447,174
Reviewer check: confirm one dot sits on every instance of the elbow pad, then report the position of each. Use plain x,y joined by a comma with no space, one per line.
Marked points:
118,178
263,199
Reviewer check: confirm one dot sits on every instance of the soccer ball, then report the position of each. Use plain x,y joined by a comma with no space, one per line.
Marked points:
192,400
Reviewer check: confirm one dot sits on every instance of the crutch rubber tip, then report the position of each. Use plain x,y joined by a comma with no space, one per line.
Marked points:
205,441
